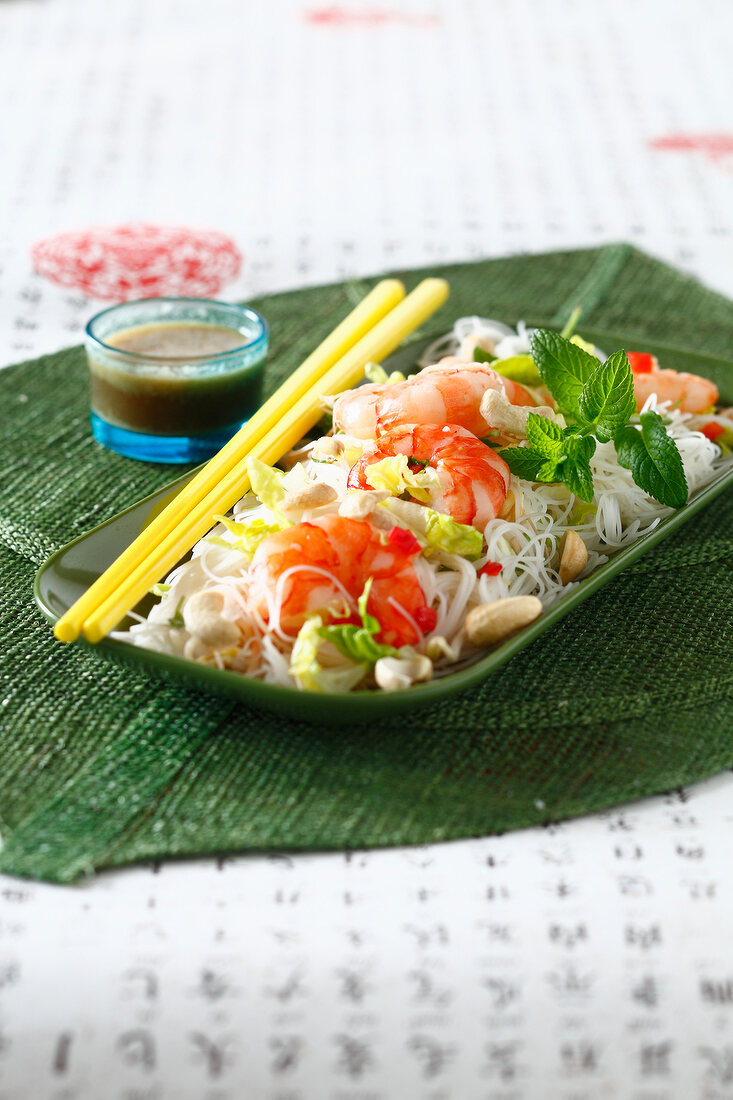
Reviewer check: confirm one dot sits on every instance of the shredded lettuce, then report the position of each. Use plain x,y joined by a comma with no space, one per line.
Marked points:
267,484
395,475
437,530
248,536
585,345
359,643
374,372
306,669
725,441
442,532
520,368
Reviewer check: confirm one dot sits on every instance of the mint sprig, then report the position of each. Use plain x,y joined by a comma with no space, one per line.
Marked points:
652,456
597,401
564,368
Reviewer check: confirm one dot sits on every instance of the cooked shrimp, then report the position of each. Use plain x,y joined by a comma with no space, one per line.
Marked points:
322,567
473,478
449,392
688,392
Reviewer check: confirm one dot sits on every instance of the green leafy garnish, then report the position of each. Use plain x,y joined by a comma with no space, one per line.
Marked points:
176,619
394,475
563,367
375,372
653,459
267,484
308,671
247,536
607,399
520,368
569,326
597,402
359,643
481,356
442,532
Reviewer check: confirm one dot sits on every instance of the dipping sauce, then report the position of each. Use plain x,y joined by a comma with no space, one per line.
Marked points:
172,379
170,395
177,339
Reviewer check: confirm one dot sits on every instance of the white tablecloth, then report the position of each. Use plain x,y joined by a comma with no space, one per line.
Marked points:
588,960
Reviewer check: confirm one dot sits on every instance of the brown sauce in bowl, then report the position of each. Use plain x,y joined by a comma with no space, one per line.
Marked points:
173,396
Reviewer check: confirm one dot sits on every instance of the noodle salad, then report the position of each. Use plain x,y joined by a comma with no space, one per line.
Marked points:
441,513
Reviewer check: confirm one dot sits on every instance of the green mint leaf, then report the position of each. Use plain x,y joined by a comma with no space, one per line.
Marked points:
546,437
523,462
654,461
607,398
576,474
564,367
581,448
550,471
481,356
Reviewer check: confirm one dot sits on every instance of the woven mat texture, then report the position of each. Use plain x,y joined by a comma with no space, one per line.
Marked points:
102,765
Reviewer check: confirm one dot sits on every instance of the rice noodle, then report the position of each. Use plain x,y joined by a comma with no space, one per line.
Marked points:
525,544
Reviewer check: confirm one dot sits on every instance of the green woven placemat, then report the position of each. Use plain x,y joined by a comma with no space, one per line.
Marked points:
102,765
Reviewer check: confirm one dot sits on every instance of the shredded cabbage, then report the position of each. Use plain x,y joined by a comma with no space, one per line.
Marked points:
395,475
520,368
442,532
305,668
247,536
375,372
359,643
267,485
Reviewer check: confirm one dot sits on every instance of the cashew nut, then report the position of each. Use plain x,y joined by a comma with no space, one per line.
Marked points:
360,503
498,412
314,495
490,623
202,617
573,556
395,673
327,445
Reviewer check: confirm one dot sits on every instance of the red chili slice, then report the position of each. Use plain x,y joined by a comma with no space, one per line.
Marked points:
641,362
712,430
426,619
404,540
491,569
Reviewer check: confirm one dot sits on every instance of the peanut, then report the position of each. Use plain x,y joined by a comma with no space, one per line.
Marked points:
573,557
490,623
202,617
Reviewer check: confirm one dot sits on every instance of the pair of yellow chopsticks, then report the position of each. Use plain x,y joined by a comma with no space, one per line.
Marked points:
370,332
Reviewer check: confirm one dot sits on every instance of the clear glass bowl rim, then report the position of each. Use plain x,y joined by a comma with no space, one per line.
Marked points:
133,356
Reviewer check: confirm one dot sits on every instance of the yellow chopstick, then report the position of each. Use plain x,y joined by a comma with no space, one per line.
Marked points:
295,421
371,309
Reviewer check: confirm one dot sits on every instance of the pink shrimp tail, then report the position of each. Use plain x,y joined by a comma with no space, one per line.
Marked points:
448,393
328,562
473,478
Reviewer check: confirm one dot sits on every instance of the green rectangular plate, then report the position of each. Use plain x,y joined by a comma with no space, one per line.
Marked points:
70,571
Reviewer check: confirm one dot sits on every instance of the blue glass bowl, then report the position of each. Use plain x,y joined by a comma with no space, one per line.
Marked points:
161,408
